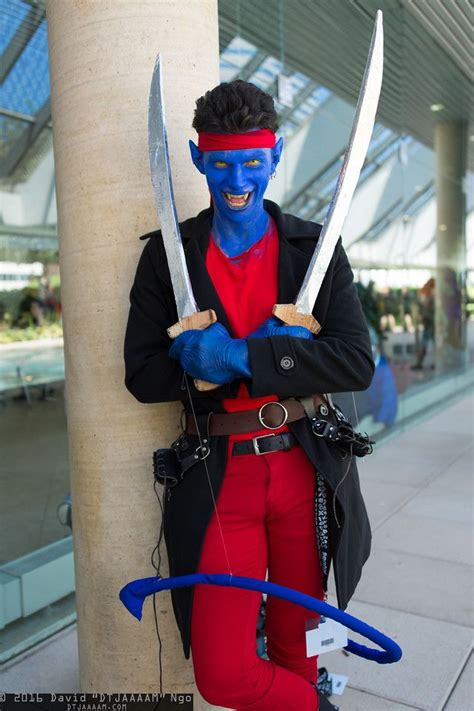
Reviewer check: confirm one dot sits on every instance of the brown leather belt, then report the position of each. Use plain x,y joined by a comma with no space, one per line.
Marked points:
271,416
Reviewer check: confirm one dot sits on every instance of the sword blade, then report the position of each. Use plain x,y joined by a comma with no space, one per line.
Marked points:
349,174
164,197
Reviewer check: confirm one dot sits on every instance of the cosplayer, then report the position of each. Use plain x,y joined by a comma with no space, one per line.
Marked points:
271,496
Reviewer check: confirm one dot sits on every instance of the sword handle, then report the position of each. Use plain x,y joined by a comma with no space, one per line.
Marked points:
203,386
289,314
200,320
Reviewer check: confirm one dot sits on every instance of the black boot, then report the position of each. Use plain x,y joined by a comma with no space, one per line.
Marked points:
325,704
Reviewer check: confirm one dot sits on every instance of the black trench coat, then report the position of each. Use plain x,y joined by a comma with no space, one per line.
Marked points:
339,359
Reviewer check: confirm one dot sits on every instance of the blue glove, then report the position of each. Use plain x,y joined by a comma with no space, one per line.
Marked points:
274,327
212,354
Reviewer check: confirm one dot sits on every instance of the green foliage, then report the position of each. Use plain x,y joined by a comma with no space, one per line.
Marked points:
31,333
10,301
16,326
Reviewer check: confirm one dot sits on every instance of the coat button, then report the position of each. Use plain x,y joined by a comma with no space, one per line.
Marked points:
287,363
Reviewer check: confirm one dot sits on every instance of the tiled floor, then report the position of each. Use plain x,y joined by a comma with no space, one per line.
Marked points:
417,585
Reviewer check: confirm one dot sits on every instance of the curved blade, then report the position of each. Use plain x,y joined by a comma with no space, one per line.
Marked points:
349,174
164,198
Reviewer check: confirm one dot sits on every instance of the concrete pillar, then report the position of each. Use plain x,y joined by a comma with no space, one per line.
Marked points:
450,147
101,59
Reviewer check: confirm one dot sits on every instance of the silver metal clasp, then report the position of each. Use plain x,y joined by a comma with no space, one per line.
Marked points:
202,451
260,415
256,448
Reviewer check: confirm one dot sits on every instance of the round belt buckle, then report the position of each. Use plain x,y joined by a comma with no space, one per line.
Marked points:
260,415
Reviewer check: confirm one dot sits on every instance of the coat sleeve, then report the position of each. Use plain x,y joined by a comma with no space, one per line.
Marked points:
150,374
339,359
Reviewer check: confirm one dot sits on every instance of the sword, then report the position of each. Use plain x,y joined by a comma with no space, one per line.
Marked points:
300,312
188,315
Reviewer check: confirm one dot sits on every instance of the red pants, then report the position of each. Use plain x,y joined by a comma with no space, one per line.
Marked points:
266,510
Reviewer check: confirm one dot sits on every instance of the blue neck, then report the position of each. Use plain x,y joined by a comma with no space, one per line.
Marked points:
235,238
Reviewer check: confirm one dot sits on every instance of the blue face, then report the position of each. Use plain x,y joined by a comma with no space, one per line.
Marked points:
237,179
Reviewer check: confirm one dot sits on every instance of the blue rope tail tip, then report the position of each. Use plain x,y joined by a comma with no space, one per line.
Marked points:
134,593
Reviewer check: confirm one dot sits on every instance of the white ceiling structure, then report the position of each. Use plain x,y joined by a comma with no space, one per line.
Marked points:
392,220
328,41
321,47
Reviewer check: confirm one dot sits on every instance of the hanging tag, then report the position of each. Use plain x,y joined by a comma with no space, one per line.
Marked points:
326,637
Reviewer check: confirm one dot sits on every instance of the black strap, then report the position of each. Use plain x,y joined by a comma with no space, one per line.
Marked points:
265,444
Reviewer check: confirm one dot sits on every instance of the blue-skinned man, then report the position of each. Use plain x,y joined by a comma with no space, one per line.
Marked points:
270,497
237,181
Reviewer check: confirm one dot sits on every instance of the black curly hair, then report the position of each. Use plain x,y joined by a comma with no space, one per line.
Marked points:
235,107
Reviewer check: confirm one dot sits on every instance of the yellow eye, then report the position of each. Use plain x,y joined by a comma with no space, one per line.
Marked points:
254,161
220,163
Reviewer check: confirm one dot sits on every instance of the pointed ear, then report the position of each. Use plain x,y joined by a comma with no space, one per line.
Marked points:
276,153
196,157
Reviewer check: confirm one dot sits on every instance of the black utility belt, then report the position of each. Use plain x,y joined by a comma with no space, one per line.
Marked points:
265,444
170,465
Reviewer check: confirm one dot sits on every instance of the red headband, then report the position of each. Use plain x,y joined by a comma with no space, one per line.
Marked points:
263,138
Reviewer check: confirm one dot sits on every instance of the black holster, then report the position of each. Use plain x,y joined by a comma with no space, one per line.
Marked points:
336,428
171,464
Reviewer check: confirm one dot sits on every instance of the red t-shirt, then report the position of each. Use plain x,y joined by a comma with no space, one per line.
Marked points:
247,287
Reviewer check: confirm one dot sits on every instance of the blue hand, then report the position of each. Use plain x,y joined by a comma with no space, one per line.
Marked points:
274,327
212,354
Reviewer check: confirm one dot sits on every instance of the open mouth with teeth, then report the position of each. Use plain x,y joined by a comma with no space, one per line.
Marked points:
237,201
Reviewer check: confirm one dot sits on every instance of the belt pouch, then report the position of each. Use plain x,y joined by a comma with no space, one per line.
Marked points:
166,466
170,465
337,429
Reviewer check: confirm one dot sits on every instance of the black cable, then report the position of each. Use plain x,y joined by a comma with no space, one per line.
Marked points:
157,569
351,456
